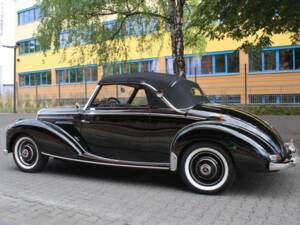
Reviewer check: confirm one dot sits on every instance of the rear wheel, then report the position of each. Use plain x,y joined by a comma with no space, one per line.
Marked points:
207,168
27,155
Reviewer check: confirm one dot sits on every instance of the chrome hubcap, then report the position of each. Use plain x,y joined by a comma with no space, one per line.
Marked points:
27,152
206,168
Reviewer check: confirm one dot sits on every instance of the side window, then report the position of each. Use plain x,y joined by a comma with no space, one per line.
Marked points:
120,96
140,98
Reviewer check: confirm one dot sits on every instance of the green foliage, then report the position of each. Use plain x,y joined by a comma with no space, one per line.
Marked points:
85,20
194,40
271,109
241,19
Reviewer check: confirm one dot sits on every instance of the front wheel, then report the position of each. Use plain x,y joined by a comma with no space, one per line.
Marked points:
207,168
27,155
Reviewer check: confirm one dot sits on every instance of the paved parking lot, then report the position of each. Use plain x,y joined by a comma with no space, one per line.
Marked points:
68,193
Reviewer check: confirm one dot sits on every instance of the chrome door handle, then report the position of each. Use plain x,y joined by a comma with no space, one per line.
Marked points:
85,121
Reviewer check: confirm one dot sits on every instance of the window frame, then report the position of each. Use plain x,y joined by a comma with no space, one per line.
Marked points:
24,48
62,71
277,60
33,83
28,15
136,87
213,55
279,99
128,63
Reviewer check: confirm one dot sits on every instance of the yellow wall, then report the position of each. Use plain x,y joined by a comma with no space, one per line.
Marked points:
212,85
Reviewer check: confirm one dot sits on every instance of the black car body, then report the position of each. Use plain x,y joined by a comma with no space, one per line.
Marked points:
155,121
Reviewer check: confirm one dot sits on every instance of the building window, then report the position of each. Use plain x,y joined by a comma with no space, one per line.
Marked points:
66,40
274,99
208,64
225,99
35,78
297,58
29,46
131,66
255,60
134,26
220,63
28,15
275,59
233,62
77,74
286,59
270,60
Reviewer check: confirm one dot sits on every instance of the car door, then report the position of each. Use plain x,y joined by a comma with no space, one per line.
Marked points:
116,124
164,124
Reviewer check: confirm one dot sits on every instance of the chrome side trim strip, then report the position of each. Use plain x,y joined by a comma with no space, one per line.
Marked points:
56,117
55,113
143,114
107,164
173,161
64,122
126,162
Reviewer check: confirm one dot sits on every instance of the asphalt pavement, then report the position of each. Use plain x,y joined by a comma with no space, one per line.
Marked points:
75,193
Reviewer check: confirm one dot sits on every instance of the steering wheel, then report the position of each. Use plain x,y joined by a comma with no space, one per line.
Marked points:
113,101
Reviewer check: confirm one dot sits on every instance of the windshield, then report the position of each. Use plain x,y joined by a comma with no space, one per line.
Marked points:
185,94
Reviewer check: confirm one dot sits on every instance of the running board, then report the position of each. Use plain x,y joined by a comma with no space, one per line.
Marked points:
109,164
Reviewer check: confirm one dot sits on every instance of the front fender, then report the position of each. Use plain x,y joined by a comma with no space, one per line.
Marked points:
49,137
246,150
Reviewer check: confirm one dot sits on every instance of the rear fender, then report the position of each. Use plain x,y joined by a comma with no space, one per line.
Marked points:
244,150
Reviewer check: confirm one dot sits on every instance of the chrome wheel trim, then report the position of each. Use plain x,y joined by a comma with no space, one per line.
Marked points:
26,153
191,177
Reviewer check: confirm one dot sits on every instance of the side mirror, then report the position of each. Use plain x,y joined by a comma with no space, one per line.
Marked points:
77,106
159,94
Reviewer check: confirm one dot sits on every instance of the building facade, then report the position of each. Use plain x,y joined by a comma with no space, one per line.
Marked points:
6,54
271,76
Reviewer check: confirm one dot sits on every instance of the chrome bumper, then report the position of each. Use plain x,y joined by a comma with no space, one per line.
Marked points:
291,161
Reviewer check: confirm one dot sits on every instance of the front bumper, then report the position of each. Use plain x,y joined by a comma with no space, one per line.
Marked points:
290,161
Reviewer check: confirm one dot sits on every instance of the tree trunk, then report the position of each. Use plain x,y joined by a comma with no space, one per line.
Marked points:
177,37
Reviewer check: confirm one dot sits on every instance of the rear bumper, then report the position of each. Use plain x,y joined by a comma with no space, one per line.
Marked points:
291,161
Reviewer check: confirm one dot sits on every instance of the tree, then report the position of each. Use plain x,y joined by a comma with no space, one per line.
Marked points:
252,22
86,22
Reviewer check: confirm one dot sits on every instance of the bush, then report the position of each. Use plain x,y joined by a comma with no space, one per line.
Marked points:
271,109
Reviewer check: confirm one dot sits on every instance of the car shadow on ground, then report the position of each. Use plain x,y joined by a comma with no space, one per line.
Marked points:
247,183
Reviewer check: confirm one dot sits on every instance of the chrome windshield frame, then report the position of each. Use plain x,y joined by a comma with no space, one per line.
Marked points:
93,96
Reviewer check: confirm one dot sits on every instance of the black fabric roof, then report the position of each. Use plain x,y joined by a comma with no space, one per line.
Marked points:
176,90
155,79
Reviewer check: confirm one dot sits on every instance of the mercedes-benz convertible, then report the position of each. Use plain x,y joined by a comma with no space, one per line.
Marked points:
152,121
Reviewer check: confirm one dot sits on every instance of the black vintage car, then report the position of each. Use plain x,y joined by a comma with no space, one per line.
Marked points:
153,121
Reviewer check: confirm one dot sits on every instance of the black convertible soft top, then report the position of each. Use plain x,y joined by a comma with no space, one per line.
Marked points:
180,92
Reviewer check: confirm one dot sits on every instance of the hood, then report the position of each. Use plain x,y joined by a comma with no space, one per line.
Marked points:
239,118
63,110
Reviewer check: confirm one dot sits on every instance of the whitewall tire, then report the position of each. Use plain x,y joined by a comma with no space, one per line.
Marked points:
207,168
27,155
